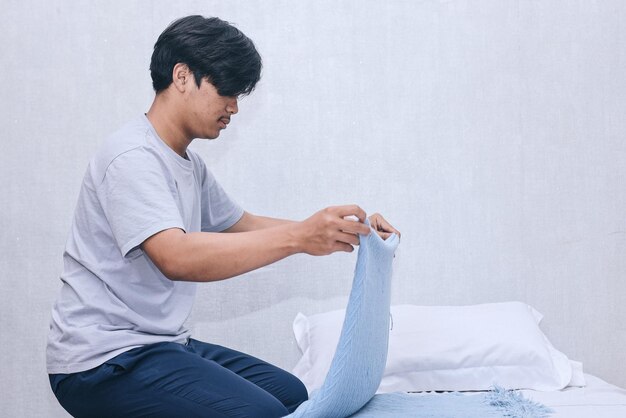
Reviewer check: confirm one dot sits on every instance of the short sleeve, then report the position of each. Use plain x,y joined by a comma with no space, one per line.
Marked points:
137,198
219,211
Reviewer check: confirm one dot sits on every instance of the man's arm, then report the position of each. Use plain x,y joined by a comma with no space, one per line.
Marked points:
250,222
207,256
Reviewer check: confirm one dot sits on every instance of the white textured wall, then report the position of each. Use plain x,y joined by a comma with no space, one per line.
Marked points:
491,133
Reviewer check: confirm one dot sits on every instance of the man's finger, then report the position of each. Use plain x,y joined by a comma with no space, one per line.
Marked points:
354,227
342,246
351,239
384,235
383,225
354,210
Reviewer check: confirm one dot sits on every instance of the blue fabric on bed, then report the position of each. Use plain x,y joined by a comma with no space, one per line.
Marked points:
498,403
359,362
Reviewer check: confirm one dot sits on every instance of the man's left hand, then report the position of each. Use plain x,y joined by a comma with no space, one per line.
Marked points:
383,228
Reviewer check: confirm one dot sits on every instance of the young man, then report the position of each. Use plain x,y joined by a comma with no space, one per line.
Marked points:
151,220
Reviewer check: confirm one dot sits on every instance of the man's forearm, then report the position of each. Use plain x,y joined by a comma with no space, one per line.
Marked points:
208,256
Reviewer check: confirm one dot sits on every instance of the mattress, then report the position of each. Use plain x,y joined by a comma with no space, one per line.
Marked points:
598,399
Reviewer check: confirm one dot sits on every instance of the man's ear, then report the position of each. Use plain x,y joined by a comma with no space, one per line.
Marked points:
181,77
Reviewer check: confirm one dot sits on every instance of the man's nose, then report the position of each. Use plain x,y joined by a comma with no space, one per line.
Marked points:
232,107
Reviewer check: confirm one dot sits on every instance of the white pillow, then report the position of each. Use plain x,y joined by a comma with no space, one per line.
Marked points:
447,348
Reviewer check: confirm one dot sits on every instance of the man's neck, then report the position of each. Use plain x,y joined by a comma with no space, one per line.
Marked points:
167,124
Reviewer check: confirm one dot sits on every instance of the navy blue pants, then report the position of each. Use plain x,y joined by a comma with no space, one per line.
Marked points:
175,380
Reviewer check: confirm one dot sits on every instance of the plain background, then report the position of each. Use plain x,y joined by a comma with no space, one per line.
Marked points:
490,132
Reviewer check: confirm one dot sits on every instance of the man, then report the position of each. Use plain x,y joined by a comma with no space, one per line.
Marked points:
151,220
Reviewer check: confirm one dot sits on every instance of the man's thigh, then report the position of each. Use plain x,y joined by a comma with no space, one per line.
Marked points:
164,380
281,384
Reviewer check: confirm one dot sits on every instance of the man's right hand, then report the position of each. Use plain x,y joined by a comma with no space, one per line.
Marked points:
328,230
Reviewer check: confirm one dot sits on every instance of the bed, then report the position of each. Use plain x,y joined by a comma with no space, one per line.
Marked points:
434,350
598,399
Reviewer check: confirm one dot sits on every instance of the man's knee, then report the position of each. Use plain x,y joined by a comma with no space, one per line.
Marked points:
295,392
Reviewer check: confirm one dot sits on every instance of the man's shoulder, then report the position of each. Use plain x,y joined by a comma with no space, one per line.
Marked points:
131,139
133,134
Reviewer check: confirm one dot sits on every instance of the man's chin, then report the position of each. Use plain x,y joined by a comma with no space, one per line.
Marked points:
210,136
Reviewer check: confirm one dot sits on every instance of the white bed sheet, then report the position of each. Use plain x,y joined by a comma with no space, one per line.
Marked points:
598,399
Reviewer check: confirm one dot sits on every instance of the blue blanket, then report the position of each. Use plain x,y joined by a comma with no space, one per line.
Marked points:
495,404
359,362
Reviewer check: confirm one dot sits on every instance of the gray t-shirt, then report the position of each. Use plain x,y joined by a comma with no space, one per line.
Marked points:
113,297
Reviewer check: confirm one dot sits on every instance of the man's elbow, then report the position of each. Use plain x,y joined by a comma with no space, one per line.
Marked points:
173,270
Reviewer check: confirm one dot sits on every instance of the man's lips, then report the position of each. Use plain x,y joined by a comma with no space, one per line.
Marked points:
224,122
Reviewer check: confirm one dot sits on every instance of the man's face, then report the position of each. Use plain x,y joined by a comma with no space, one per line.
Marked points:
208,112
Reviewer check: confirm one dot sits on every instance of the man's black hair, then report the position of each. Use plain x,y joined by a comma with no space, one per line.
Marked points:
212,49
